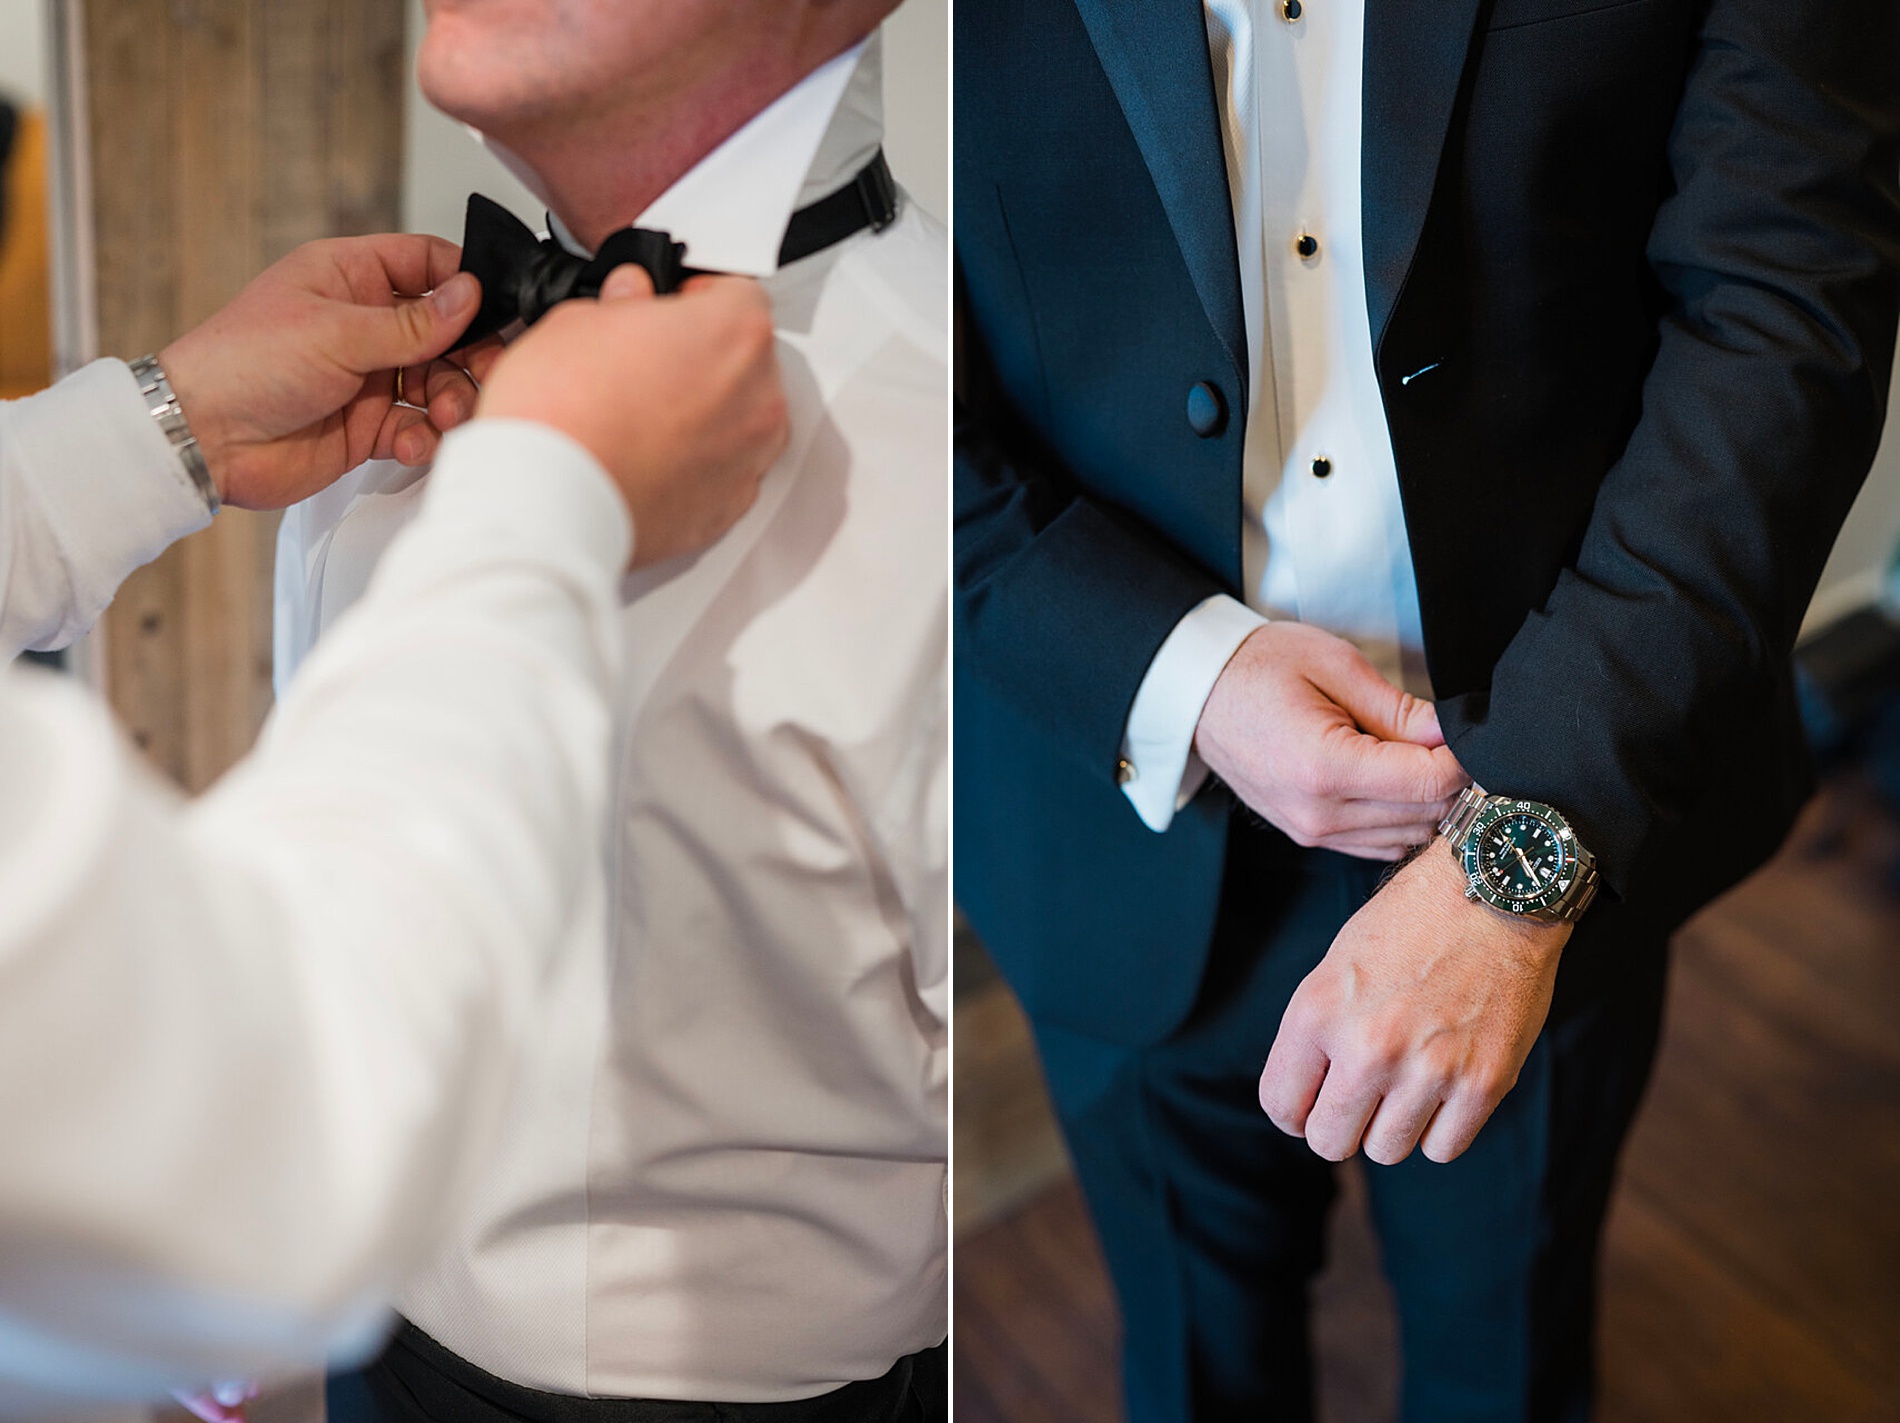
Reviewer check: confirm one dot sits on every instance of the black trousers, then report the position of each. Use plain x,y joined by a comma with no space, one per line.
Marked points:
416,1380
1213,1222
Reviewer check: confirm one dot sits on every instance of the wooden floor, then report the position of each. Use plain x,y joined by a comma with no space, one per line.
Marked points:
1752,1270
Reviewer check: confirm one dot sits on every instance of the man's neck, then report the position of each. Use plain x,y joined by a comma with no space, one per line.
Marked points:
598,176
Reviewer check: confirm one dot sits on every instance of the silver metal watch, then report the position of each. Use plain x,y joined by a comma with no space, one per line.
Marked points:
162,401
1520,856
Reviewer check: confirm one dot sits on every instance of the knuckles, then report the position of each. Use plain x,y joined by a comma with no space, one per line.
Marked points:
1440,1064
756,329
1330,1148
1314,779
1386,1151
1377,1047
1309,821
1278,1110
1495,1084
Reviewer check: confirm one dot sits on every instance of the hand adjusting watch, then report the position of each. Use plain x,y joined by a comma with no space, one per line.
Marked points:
1520,856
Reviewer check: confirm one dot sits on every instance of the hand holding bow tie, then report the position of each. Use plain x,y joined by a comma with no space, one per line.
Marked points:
295,382
679,400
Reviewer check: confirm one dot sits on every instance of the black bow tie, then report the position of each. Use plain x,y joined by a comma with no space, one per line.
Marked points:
524,277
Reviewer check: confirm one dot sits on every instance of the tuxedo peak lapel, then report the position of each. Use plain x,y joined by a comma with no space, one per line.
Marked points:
1154,53
1414,62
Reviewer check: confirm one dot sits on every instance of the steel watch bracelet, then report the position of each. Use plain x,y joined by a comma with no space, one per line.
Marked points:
162,401
1457,822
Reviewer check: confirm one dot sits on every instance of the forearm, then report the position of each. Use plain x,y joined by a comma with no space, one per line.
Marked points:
89,491
269,1034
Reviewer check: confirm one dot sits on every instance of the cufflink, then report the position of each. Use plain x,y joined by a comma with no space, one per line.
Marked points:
1124,771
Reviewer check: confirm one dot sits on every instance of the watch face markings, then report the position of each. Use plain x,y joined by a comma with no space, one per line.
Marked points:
1520,858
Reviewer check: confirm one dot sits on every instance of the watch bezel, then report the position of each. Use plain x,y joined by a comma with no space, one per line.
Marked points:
1548,902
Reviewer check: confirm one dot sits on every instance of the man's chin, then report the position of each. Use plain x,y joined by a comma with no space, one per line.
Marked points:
466,77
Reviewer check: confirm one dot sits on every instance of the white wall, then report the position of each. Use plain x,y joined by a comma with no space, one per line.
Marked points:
1858,568
23,50
445,164
917,101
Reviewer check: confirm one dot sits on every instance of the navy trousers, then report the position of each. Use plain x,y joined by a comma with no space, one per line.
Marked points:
1213,1222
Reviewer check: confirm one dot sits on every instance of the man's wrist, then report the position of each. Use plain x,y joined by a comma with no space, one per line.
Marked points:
1159,759
1439,865
172,394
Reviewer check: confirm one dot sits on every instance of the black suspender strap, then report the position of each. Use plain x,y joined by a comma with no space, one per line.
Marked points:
868,200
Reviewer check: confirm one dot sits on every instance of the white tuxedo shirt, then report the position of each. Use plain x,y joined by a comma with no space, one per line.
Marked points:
725,1179
253,1049
1328,549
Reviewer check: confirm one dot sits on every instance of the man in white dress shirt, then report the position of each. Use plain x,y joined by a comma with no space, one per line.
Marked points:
725,1180
255,1048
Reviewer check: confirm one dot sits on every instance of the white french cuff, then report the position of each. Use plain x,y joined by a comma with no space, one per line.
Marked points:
1160,772
123,497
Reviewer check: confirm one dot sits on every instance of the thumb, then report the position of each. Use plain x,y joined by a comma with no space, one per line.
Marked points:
410,333
627,282
1379,708
1417,722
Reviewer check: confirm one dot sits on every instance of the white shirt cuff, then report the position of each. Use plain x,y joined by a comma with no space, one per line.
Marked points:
110,489
1161,773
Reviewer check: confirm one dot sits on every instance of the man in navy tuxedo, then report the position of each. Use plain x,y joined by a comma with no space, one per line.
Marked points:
1360,400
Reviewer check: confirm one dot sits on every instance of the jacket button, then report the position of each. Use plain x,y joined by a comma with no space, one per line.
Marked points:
1206,411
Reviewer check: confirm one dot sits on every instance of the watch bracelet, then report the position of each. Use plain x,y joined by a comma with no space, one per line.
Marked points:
1464,810
162,401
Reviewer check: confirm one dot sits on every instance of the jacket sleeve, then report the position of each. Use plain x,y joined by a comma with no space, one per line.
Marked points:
1062,600
1776,255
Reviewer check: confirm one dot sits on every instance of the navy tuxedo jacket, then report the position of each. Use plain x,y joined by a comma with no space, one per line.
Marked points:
1649,249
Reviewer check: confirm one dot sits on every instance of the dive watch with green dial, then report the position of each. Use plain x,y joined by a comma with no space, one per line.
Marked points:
1520,856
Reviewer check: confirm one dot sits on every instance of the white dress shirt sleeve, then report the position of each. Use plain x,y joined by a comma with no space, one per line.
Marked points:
252,1049
89,490
1163,772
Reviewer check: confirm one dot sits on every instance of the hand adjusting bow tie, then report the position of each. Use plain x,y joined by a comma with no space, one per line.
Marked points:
524,277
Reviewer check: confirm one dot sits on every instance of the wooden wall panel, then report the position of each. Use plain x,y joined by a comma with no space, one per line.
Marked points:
222,134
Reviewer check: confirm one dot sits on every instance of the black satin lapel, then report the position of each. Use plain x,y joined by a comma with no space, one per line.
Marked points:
1155,55
1415,60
